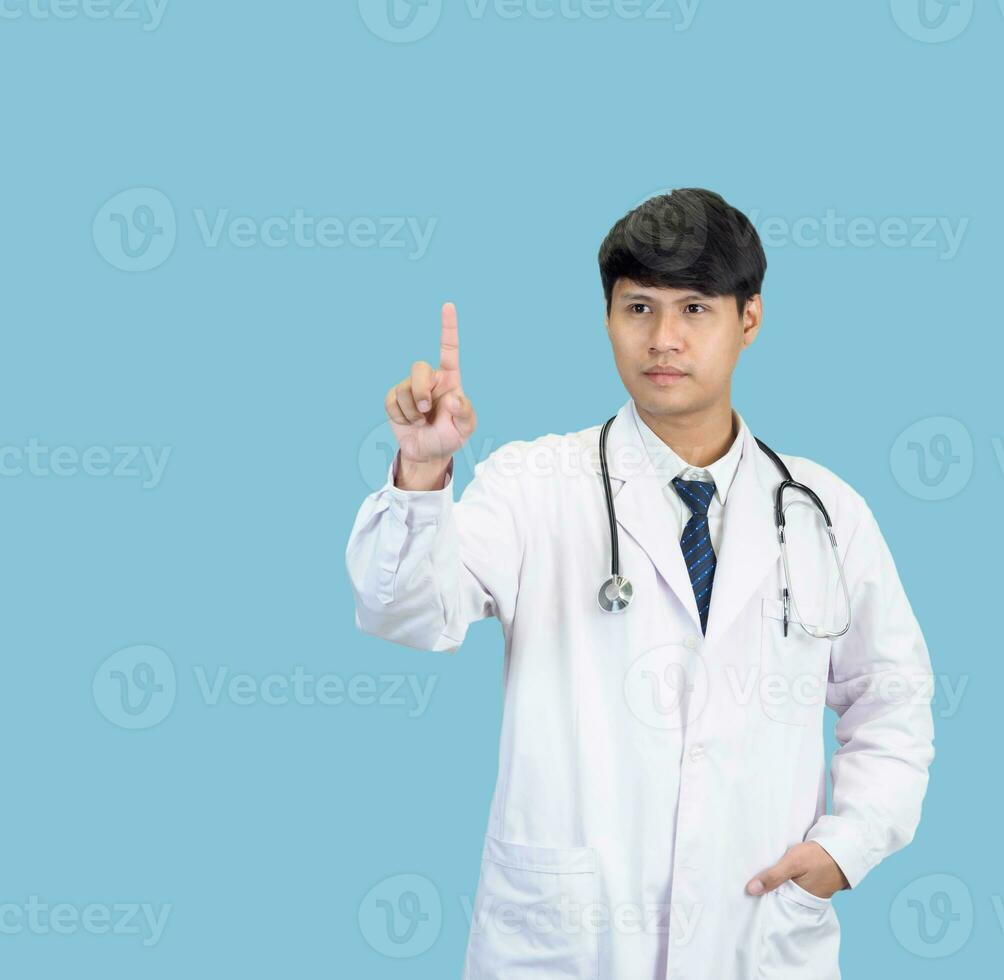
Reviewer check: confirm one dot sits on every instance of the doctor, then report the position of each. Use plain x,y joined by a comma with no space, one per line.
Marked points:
660,807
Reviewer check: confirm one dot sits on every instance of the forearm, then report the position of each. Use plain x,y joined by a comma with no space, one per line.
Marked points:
880,686
423,567
394,558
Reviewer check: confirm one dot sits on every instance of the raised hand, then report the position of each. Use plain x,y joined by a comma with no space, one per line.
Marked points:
430,415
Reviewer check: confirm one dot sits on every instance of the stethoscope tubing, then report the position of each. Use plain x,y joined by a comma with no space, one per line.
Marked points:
616,592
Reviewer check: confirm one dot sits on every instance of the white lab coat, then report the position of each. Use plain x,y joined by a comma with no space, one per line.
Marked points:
647,772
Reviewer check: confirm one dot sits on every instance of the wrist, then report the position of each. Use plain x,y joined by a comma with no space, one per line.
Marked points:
421,475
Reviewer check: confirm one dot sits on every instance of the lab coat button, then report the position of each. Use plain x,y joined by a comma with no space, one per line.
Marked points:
697,751
690,641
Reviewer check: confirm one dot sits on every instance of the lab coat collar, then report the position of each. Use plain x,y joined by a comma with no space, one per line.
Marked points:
671,465
749,546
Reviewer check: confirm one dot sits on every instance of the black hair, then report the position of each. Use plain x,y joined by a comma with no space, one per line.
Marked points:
689,238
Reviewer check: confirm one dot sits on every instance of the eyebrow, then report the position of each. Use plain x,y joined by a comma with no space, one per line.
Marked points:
688,297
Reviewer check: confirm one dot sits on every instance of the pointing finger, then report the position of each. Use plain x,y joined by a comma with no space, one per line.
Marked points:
449,340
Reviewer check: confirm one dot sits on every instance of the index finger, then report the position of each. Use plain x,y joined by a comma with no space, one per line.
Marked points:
449,340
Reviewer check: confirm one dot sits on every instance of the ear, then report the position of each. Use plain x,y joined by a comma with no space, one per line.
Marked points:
752,318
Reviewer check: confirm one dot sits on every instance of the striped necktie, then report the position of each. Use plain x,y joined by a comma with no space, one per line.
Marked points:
696,542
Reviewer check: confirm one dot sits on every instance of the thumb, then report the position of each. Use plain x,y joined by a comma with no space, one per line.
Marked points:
768,879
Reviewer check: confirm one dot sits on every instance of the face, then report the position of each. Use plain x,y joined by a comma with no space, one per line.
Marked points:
696,338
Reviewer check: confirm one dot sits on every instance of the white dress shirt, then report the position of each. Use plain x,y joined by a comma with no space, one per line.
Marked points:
669,465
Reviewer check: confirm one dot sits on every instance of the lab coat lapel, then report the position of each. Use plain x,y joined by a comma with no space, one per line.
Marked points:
748,548
642,512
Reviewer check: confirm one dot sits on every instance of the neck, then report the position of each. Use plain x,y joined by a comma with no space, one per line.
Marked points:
699,439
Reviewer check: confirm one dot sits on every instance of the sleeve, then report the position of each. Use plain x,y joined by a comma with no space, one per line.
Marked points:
423,568
880,685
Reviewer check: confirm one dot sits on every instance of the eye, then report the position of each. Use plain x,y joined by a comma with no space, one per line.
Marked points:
634,307
691,306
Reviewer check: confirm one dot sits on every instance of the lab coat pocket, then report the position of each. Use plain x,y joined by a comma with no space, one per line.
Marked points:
801,936
793,668
533,914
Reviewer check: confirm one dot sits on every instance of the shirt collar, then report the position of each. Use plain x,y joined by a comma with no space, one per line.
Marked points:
669,465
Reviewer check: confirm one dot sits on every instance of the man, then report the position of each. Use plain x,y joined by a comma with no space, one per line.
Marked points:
660,809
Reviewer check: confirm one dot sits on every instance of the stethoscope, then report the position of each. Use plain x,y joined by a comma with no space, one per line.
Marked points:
616,593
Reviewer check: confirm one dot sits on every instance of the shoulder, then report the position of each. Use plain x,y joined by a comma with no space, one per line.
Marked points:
846,506
533,466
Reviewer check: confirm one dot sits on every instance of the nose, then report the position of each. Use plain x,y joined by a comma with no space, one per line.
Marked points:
667,334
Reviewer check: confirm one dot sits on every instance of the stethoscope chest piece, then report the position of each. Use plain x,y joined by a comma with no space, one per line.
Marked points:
615,594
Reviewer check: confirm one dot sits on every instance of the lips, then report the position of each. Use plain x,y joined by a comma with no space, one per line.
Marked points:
665,377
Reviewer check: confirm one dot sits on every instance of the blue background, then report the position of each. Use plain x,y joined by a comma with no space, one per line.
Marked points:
263,371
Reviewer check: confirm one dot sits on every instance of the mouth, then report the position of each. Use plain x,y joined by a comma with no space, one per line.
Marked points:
665,376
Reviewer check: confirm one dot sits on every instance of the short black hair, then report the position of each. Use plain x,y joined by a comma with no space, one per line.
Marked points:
689,238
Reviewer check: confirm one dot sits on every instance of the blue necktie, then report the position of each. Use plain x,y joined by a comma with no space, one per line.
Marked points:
696,542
